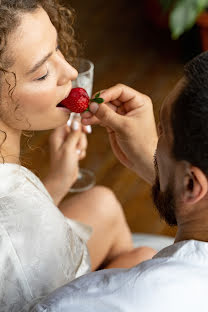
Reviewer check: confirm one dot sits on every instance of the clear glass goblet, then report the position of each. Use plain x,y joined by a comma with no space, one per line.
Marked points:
86,178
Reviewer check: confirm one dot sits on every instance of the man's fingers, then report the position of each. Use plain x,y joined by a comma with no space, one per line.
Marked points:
90,121
101,91
86,115
118,93
116,103
140,100
121,99
123,94
107,115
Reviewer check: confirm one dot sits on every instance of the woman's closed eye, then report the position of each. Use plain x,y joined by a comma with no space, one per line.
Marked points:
47,74
43,77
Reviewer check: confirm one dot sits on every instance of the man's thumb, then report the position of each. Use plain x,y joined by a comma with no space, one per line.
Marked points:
107,115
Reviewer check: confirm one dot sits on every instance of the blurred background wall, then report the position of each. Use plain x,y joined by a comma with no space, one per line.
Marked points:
129,42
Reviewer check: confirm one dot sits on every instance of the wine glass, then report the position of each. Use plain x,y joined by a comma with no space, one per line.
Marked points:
86,178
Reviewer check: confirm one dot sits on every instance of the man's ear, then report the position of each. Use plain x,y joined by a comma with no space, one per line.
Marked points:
195,186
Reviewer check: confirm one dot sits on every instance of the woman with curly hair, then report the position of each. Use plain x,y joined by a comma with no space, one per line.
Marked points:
46,241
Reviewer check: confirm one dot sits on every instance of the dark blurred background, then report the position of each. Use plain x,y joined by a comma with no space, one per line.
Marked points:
129,42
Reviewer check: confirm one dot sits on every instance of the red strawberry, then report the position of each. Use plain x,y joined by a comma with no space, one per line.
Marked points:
78,100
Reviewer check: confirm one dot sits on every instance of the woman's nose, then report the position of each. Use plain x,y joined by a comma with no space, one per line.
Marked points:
67,73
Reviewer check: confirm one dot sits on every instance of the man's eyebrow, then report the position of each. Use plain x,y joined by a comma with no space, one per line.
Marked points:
41,62
160,119
159,113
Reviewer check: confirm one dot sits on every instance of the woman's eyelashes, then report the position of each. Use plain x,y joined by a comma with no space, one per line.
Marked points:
47,74
43,77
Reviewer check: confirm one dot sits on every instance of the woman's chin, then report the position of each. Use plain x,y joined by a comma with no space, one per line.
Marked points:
49,125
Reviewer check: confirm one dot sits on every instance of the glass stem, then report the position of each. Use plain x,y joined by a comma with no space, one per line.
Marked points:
79,175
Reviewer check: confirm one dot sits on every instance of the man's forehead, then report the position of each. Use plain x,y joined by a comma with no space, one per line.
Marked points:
165,109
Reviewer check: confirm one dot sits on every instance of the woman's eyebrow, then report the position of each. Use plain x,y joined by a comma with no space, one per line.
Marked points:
41,62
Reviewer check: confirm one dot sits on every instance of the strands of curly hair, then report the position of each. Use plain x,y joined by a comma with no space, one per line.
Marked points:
62,18
10,18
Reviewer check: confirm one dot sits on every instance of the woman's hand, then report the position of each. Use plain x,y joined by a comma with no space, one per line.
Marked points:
129,119
67,146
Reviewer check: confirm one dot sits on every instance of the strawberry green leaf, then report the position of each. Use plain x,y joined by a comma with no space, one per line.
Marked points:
97,95
98,100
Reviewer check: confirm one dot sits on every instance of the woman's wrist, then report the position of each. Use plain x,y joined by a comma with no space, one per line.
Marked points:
55,189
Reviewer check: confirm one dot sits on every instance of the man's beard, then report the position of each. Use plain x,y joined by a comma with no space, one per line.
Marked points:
164,201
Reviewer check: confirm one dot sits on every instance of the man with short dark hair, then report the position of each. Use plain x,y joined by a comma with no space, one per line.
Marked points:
175,279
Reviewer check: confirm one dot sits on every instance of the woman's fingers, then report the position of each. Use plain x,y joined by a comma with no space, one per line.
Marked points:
57,138
76,140
73,137
82,146
87,129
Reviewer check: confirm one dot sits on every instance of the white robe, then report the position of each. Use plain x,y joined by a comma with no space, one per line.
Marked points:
40,249
175,280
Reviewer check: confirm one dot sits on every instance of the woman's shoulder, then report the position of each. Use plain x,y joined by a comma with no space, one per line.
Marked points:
10,178
14,177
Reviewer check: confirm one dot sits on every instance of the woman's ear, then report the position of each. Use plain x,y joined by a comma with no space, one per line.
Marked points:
195,186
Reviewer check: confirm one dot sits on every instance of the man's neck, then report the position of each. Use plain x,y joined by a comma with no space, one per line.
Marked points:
196,230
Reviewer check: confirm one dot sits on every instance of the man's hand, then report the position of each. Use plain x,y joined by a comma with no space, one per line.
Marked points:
129,119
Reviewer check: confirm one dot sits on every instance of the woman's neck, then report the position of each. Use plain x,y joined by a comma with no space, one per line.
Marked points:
9,144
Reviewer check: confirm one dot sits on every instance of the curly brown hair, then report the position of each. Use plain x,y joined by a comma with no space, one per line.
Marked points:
62,18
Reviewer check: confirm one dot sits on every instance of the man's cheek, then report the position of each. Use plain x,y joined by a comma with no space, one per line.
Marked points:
163,170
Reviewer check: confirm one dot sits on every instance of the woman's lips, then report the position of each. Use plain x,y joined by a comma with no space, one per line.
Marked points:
60,105
64,109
